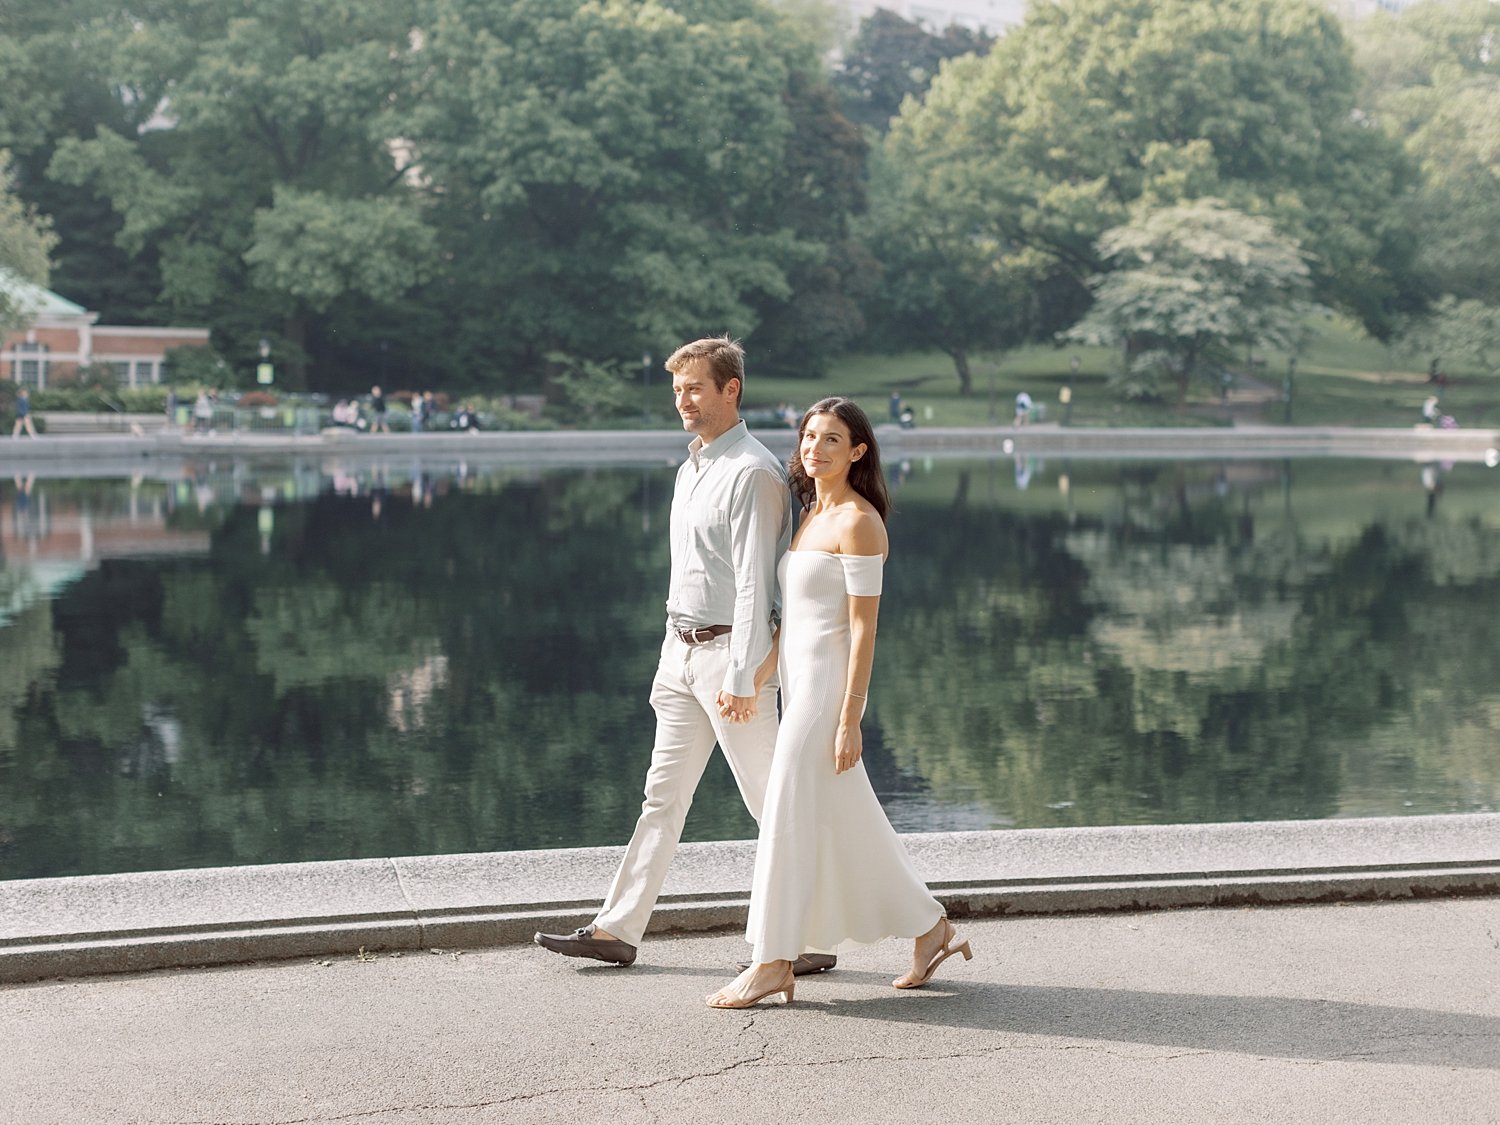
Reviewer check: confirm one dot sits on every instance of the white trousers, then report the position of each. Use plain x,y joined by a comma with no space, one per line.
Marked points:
683,694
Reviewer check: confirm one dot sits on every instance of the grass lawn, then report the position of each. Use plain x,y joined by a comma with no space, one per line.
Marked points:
1343,377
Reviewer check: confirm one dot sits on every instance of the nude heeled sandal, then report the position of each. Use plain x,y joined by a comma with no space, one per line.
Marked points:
951,945
787,985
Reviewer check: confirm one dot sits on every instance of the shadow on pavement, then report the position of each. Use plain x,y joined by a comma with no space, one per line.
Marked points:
1282,1027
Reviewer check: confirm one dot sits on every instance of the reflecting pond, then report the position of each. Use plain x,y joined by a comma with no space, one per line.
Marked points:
247,663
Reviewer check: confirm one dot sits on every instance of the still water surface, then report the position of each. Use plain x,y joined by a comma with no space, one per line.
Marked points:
256,664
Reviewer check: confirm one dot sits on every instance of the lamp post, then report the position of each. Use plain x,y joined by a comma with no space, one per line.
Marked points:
264,372
1067,392
1286,389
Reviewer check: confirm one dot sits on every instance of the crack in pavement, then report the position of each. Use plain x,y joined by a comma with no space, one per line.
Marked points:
639,1089
758,1058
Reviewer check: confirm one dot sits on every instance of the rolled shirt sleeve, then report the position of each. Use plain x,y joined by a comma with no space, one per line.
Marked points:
760,528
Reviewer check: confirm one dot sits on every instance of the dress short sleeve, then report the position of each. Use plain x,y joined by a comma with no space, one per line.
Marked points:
862,574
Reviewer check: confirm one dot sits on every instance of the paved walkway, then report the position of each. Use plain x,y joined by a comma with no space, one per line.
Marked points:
1386,1012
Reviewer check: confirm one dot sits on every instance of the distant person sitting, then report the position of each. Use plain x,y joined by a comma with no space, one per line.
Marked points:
345,413
465,419
1023,408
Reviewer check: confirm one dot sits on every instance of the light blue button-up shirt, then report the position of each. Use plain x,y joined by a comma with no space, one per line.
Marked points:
731,523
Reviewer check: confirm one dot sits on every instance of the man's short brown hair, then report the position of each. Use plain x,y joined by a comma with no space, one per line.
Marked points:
726,360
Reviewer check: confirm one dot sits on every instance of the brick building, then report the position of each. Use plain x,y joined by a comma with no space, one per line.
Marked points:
64,336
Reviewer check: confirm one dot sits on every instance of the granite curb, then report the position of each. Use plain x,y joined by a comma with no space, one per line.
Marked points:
150,920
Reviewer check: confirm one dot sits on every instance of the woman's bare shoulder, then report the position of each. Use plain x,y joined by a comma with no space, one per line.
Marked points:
863,532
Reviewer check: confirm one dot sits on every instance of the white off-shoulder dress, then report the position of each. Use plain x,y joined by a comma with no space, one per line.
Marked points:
830,871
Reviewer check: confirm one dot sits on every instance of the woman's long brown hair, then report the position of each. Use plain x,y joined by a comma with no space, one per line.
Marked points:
865,475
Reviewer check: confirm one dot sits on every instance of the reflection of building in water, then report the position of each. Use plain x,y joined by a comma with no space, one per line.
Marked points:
58,541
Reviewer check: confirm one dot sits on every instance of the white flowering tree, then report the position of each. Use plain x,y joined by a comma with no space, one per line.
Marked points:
1190,286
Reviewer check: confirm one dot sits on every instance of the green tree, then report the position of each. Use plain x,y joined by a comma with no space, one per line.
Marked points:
1188,285
1093,105
1432,80
610,178
54,84
259,165
951,280
891,59
25,242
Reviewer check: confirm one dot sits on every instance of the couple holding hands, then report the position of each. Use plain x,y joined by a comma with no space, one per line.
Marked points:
830,871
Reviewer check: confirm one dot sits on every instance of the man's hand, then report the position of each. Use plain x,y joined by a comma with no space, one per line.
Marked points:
736,708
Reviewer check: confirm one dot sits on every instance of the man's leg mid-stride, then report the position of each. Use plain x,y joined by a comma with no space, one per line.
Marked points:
685,737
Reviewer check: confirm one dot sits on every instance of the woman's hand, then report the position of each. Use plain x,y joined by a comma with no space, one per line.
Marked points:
848,745
736,708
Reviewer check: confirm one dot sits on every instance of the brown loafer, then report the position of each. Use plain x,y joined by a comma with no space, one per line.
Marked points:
582,943
805,965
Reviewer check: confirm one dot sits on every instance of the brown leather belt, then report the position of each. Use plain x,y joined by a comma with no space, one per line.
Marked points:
702,635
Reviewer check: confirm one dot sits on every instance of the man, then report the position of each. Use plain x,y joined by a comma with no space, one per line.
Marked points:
378,423
730,525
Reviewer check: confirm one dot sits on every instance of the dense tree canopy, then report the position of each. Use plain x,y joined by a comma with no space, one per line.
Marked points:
1094,105
1432,80
258,161
457,190
612,178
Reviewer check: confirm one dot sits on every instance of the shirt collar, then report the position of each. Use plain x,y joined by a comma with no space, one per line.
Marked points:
699,450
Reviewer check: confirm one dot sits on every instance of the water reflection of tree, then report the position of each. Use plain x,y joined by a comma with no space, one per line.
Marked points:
473,675
1171,660
540,602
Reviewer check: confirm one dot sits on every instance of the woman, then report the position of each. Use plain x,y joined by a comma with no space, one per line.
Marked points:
829,869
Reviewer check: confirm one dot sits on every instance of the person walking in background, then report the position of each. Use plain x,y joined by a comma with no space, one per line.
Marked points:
1023,408
418,417
730,523
830,870
377,411
23,414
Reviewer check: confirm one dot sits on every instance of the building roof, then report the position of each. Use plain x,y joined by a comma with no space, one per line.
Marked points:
42,302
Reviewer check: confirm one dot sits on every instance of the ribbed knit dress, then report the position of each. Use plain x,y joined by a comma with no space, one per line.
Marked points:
830,871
